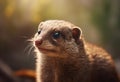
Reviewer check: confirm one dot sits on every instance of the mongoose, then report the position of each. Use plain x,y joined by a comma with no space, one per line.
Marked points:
64,56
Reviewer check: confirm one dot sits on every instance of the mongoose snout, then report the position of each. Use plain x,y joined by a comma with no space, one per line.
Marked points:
38,42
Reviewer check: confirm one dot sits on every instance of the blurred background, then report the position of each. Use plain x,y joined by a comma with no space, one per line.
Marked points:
99,20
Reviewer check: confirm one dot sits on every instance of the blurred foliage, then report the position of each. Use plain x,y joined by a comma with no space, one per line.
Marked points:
107,19
99,20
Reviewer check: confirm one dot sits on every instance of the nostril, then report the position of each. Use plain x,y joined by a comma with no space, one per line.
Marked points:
38,42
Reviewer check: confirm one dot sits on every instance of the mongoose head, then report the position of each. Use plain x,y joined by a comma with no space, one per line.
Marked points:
57,38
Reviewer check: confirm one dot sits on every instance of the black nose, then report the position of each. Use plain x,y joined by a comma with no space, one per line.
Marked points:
38,42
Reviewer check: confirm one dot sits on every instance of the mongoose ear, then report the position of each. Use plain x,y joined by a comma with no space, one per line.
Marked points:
76,32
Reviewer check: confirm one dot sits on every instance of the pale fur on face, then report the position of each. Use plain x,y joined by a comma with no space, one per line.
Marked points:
60,46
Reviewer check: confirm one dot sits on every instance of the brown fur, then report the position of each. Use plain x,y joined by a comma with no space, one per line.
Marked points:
69,58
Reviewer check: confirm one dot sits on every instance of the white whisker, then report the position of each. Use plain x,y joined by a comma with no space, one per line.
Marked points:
29,49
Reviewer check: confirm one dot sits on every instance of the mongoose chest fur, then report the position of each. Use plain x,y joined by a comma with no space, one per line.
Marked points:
64,56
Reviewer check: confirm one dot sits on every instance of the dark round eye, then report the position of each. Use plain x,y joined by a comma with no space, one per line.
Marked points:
56,35
39,31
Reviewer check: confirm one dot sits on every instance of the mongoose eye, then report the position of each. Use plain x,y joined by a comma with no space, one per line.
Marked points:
56,35
39,31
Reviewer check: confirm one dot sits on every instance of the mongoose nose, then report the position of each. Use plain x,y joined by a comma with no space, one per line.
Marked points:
38,42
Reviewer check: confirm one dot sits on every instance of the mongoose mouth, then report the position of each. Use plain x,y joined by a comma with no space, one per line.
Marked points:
45,50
